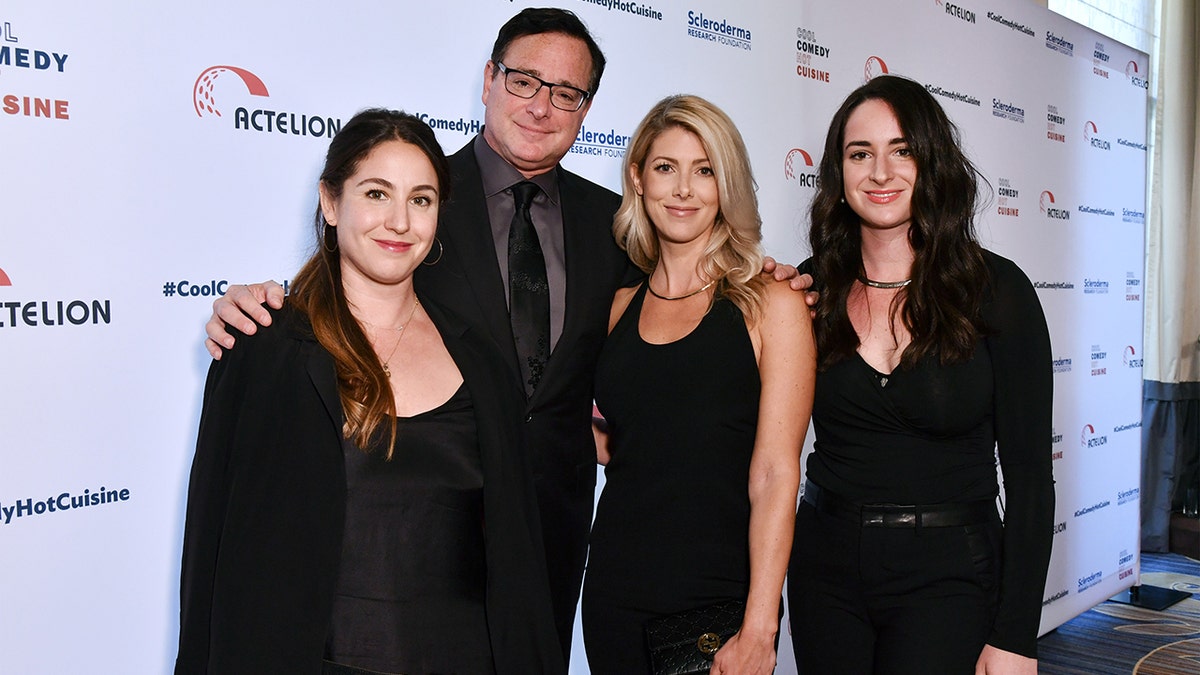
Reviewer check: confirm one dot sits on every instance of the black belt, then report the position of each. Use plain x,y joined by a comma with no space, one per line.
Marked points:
331,668
900,515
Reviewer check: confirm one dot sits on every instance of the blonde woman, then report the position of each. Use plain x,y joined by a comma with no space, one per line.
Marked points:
706,384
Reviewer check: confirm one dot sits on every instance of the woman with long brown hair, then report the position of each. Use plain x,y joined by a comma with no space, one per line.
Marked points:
934,358
358,502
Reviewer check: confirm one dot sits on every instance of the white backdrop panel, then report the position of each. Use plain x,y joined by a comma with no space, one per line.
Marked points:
129,209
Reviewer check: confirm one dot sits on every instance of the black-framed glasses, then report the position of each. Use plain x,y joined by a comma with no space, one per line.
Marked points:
523,85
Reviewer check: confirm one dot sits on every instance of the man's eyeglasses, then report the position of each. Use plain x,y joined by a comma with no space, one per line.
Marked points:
523,85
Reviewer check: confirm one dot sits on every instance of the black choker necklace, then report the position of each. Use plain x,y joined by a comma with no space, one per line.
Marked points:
884,284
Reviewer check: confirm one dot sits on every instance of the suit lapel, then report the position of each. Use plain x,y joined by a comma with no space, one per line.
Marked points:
466,232
320,370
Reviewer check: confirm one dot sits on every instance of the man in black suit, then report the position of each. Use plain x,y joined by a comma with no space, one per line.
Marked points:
538,86
543,65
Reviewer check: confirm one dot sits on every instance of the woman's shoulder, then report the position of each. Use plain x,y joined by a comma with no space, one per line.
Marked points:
1005,275
783,311
998,264
621,299
780,299
1011,298
289,328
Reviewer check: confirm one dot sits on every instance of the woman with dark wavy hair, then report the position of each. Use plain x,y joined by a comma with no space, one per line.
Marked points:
933,358
357,500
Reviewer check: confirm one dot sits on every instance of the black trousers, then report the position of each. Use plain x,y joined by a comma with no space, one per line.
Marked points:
890,600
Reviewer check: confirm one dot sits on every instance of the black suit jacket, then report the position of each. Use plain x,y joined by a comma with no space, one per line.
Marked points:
266,505
557,419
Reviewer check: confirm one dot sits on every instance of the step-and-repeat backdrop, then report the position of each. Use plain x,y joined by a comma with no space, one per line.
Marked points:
153,153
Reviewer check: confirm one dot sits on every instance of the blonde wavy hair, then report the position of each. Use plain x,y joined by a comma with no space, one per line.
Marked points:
733,257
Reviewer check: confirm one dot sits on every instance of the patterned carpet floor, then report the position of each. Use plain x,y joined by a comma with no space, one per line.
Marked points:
1119,639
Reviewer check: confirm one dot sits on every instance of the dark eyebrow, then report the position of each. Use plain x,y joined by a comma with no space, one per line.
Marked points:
378,181
538,75
866,144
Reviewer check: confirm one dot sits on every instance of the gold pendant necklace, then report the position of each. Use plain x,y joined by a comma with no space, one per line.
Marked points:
387,371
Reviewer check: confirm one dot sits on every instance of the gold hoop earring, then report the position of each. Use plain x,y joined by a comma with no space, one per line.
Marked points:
327,230
441,251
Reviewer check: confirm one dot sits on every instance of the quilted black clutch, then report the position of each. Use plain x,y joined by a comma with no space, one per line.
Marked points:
685,643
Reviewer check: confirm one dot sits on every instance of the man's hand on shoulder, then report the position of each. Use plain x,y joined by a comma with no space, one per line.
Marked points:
797,281
240,308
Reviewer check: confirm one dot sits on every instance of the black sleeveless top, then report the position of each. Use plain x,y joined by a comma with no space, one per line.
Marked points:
672,525
411,587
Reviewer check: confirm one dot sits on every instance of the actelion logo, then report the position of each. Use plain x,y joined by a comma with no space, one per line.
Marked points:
1046,202
956,11
1088,438
874,67
797,167
33,313
204,100
1130,358
1092,133
1133,72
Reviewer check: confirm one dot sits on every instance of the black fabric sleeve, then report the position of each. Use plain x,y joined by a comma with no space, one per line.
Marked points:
1019,344
208,495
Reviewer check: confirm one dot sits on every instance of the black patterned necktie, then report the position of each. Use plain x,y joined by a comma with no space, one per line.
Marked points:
528,290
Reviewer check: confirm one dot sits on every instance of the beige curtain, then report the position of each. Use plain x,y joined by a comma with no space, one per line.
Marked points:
1171,408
